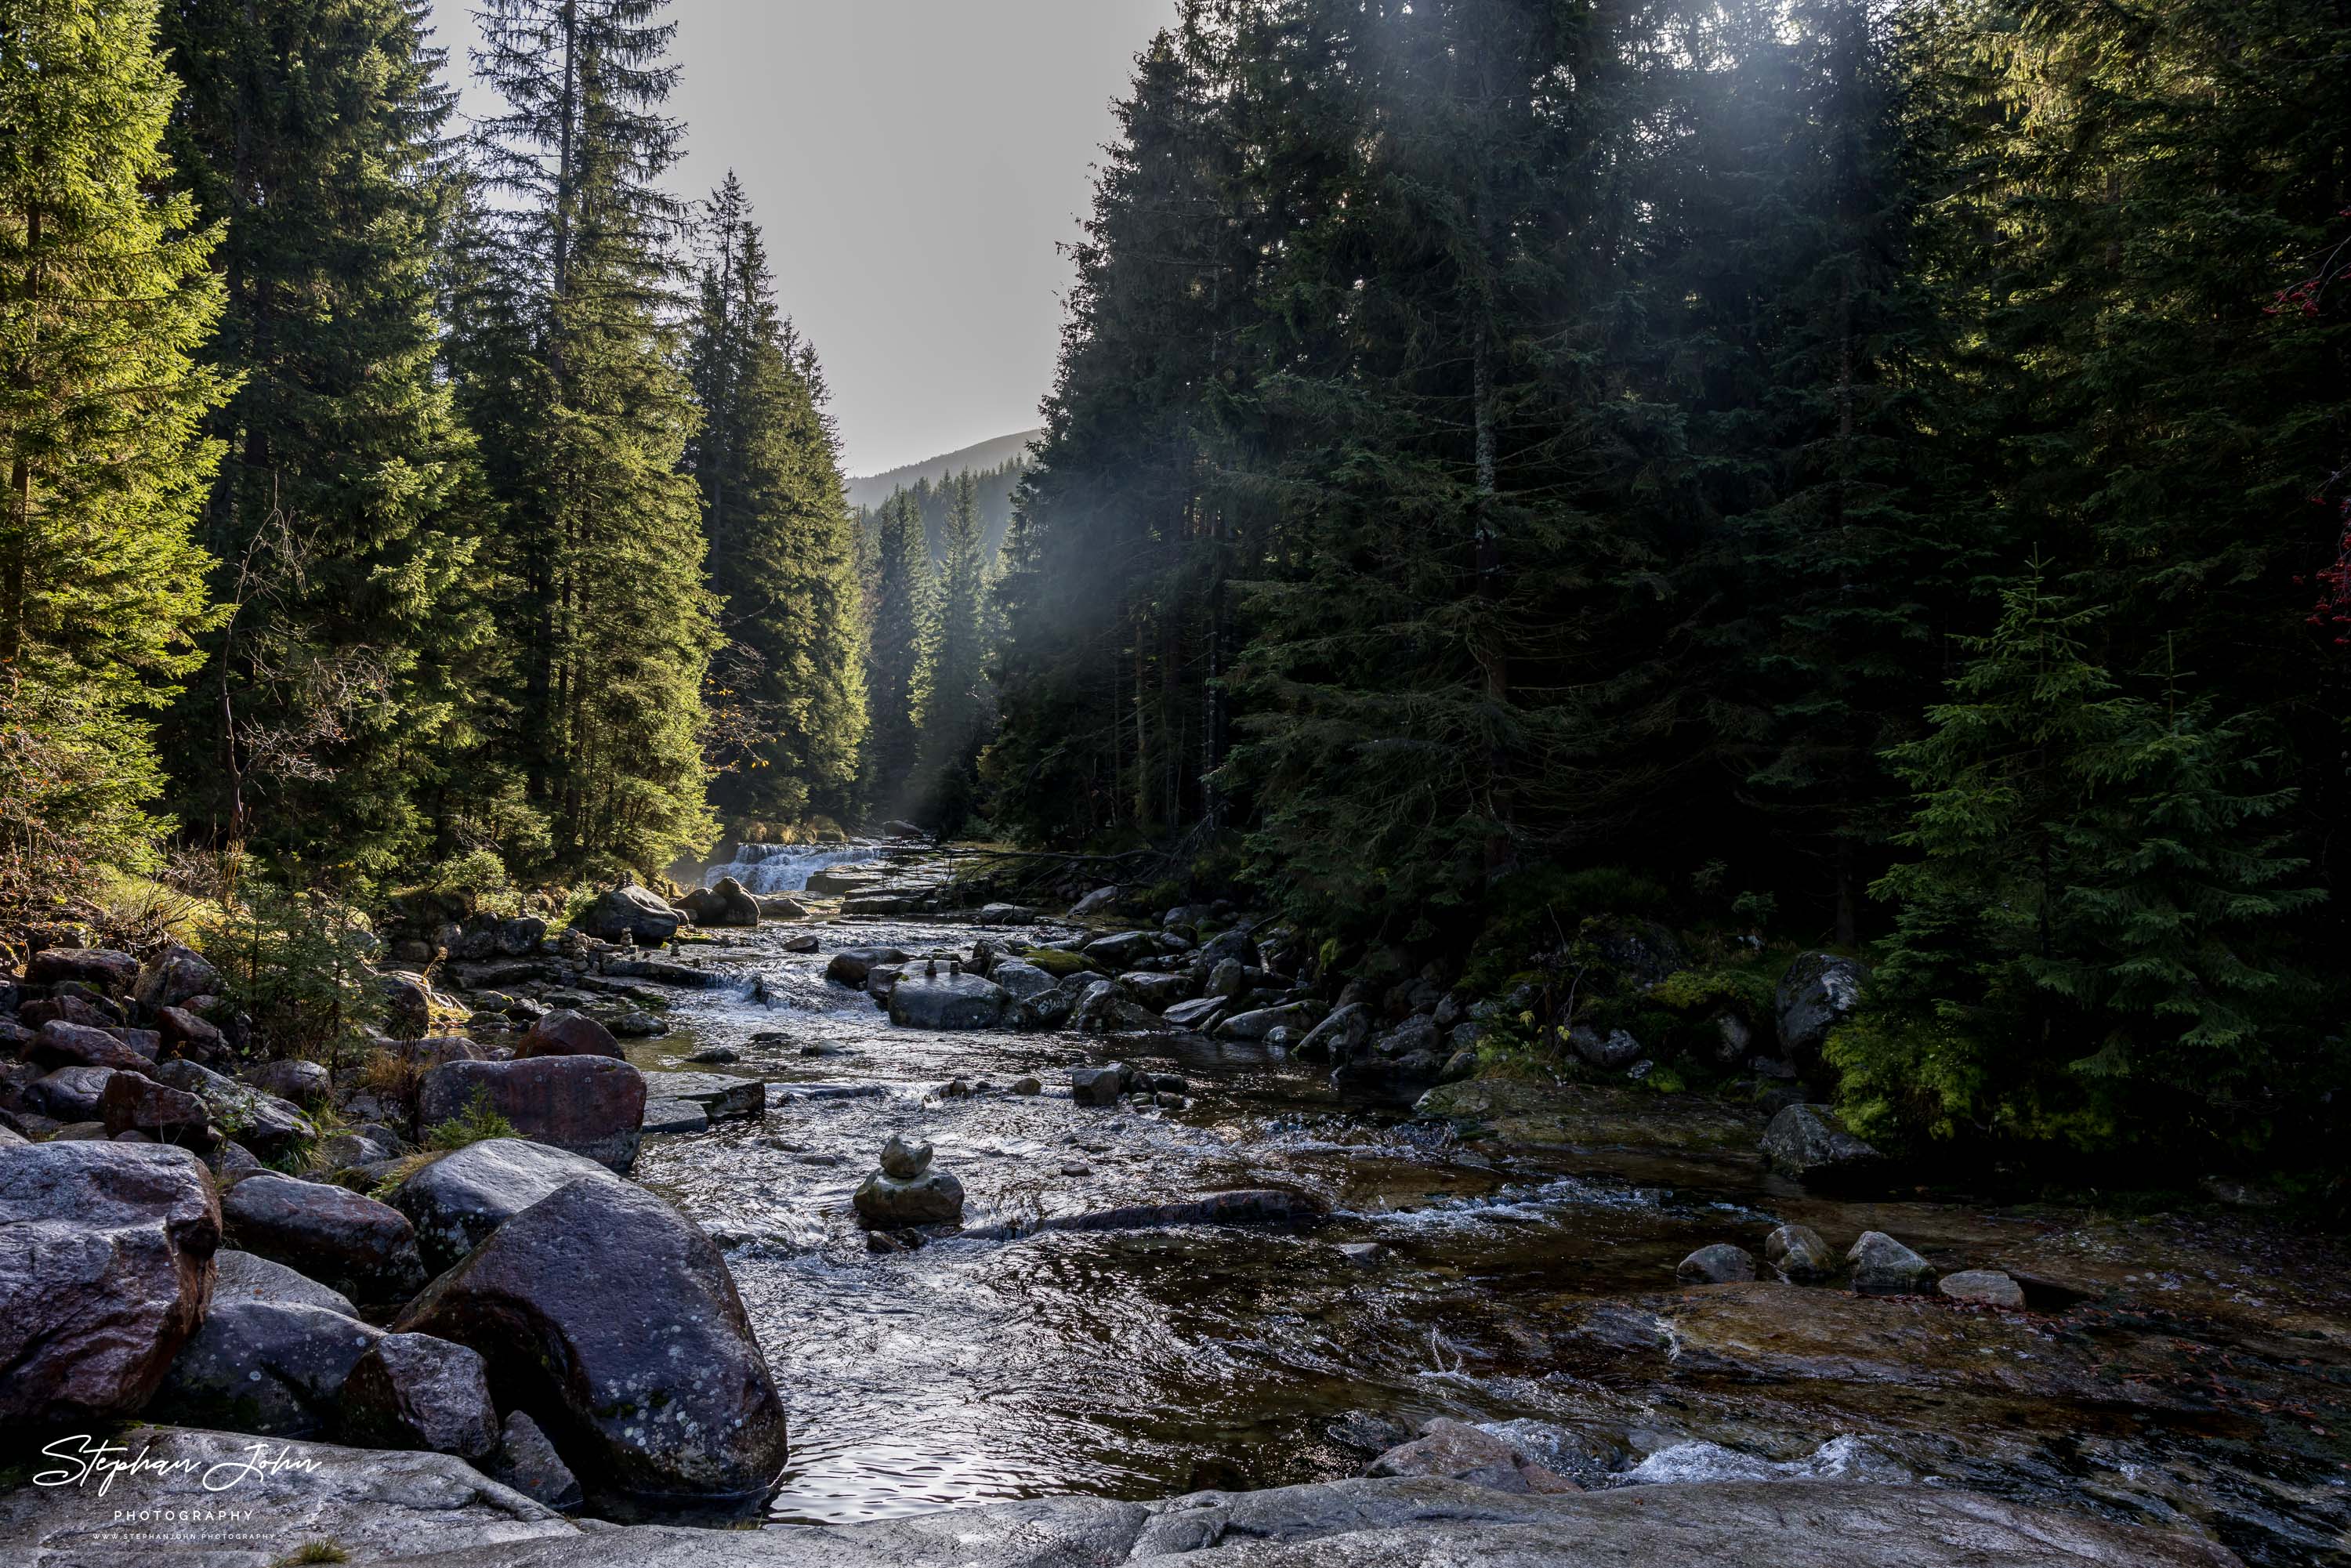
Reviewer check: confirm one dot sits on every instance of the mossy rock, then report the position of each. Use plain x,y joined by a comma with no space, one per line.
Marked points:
1058,964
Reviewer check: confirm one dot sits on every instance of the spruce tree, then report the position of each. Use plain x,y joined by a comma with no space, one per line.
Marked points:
788,700
346,517
898,611
102,409
578,388
952,705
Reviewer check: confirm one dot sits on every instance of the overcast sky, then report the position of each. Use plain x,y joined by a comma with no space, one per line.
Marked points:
914,163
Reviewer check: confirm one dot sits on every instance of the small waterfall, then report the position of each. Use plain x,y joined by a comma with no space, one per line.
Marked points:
783,868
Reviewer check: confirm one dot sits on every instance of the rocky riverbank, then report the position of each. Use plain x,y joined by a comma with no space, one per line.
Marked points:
495,1285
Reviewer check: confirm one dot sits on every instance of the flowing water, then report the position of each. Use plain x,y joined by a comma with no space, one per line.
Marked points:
2206,1386
783,868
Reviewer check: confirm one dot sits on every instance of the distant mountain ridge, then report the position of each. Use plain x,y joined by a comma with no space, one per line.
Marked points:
872,489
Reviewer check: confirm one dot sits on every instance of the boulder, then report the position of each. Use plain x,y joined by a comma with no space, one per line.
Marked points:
61,1044
249,1277
1098,1085
675,1116
134,1103
566,1033
1610,1053
346,1150
106,1269
783,907
520,935
1121,949
271,1367
364,1248
414,1391
1720,1264
528,1462
592,1105
1201,1013
1982,1288
1005,914
457,1200
1020,979
884,1202
172,976
1237,944
1229,978
1799,1254
68,1094
633,912
1884,1267
267,1125
1818,992
1156,991
1094,903
611,1319
722,1096
88,1012
1257,1024
1104,1008
725,902
1457,1451
945,1001
289,1079
851,965
1809,1144
102,969
1342,1032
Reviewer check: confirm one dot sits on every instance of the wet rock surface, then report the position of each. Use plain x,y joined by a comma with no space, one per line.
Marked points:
458,1199
589,1105
343,1239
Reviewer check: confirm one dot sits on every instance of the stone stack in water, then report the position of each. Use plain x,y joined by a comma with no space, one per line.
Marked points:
906,1192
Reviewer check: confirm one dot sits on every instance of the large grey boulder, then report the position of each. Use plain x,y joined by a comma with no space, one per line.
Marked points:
267,1125
1104,1008
1121,949
722,1096
67,1093
851,965
414,1391
592,1105
1154,990
364,1248
1818,991
132,1102
376,1506
611,1318
271,1367
249,1277
946,1001
1799,1254
633,912
174,976
1094,903
100,968
1020,980
1810,1143
1458,1451
1720,1264
457,1200
1342,1032
106,1269
1262,1021
566,1033
1616,1049
63,1044
289,1079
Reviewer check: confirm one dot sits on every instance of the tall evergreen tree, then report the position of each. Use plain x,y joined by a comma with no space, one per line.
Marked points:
604,541
349,510
788,699
898,608
952,704
102,399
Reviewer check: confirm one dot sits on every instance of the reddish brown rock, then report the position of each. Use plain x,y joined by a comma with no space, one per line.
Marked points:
414,1391
132,1102
77,1045
186,1034
106,1268
567,1034
102,968
364,1248
592,1105
1464,1453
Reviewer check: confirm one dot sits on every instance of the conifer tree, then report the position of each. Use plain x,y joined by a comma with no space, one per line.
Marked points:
603,540
952,705
101,403
898,611
789,708
349,510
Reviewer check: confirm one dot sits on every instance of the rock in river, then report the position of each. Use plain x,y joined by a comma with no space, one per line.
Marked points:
1799,1254
1809,1144
1884,1267
1720,1264
1983,1288
611,1318
851,965
633,912
1461,1452
906,1191
920,1000
592,1105
528,1462
364,1248
457,1200
566,1033
106,1266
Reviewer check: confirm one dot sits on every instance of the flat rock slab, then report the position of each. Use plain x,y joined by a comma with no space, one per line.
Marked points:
1415,1524
675,1116
378,1506
722,1096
